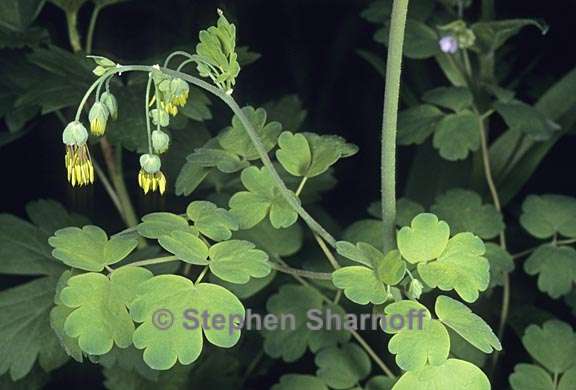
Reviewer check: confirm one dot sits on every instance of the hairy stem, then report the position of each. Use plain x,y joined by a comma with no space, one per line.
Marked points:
389,122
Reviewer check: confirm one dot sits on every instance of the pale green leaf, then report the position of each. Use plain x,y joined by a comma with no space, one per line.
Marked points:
461,267
277,242
467,324
155,225
424,240
417,123
526,119
452,374
568,380
237,261
100,318
89,248
501,263
185,246
294,153
181,338
299,382
213,222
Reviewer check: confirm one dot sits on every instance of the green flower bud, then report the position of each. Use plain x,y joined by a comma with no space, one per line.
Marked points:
160,141
415,289
98,117
150,163
75,134
111,104
160,116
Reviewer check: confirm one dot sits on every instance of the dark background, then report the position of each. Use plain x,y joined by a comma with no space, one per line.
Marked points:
308,48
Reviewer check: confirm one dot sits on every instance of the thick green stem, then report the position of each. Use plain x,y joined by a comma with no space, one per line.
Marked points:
389,122
73,35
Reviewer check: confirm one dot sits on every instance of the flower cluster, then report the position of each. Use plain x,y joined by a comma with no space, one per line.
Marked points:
170,92
79,168
457,36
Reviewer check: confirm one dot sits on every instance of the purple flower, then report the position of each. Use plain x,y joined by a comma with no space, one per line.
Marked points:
448,44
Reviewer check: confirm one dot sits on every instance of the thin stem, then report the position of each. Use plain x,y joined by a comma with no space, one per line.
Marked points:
372,354
389,122
327,251
201,276
529,251
302,273
118,180
109,189
148,130
156,260
487,9
91,28
301,186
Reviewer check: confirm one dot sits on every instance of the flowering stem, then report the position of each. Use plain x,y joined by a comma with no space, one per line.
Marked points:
91,28
149,132
389,122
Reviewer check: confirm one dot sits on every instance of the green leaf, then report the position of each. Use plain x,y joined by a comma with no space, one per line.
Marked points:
452,374
246,290
457,135
156,225
177,296
235,138
527,120
546,215
424,240
501,263
89,248
31,37
309,154
530,377
50,216
262,198
224,161
379,382
420,41
190,177
406,210
299,382
493,34
213,222
237,261
555,267
100,317
291,341
197,106
288,111
17,15
417,123
360,285
367,230
464,212
277,242
368,284
467,324
294,153
461,267
342,367
25,333
553,345
454,98
419,343
186,246
217,52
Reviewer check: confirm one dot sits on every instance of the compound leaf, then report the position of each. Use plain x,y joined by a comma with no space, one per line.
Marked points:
89,248
555,267
155,225
553,345
545,215
457,135
530,377
213,222
452,374
342,367
237,261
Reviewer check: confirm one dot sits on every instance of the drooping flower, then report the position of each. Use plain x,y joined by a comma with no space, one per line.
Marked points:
160,141
150,177
79,168
448,44
111,104
179,91
98,117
